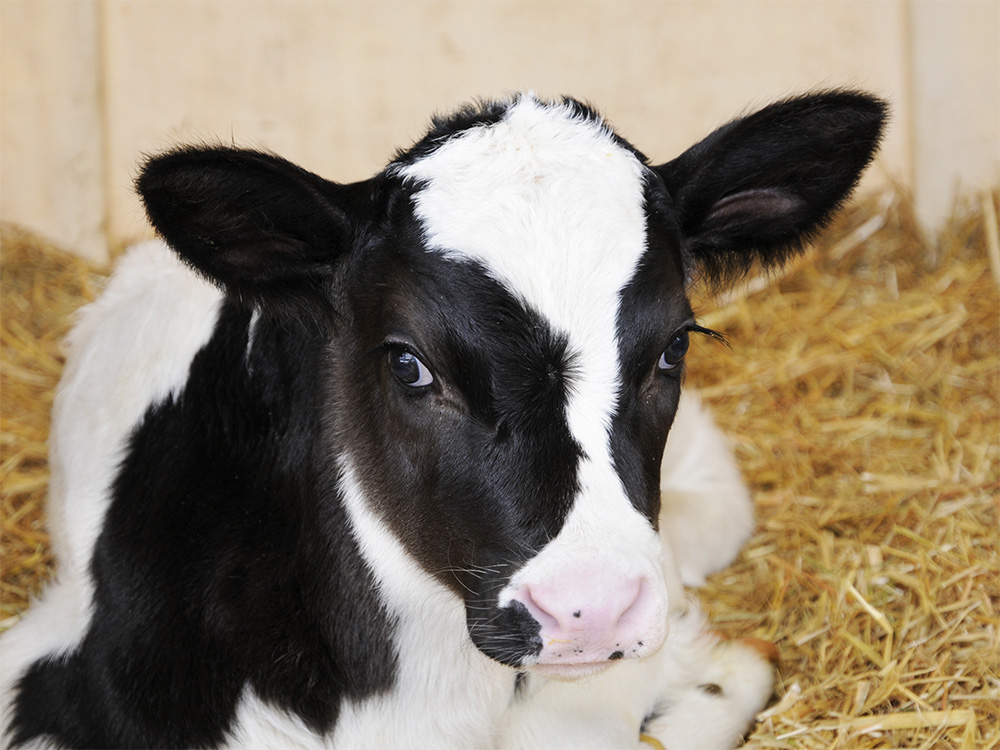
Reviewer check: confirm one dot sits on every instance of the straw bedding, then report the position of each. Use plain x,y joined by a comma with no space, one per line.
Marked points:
862,393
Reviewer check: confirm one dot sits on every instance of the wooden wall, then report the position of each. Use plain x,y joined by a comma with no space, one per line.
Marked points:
88,86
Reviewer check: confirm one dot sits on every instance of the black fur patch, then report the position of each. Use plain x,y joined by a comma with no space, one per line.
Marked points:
476,472
653,307
225,563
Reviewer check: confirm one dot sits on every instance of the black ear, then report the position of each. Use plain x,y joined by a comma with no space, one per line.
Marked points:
754,190
254,223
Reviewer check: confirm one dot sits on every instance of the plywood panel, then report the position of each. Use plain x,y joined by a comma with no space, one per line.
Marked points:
88,87
956,101
51,153
338,86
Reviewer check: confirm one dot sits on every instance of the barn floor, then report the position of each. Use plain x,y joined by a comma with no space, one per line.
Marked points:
862,392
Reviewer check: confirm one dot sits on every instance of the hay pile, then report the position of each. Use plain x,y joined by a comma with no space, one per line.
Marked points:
862,393
40,287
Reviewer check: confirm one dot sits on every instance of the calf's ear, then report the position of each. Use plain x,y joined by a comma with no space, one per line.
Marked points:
252,222
757,188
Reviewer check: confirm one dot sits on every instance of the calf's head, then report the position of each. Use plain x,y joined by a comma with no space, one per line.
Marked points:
505,316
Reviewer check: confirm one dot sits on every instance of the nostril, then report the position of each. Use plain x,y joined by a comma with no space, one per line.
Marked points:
547,620
630,598
636,611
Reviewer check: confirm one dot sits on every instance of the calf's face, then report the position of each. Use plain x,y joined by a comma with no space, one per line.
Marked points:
508,326
508,339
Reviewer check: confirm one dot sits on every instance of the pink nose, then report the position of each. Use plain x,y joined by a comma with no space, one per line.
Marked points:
592,617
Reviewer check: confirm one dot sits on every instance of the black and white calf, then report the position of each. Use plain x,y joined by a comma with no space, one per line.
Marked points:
379,464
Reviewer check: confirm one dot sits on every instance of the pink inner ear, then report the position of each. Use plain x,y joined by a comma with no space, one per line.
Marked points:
755,204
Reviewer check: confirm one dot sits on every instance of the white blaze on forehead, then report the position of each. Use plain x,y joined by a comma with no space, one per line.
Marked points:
553,208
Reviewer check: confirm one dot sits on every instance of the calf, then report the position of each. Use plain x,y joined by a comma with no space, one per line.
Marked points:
379,464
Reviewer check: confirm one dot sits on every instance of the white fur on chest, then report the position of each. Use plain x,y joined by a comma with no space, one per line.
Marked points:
446,692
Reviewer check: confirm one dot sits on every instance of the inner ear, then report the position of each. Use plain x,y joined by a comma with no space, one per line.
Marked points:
763,203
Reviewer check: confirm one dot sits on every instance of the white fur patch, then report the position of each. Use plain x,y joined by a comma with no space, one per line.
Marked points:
262,726
554,209
707,511
694,718
447,693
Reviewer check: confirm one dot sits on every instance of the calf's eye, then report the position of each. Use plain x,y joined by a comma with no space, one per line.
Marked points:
409,370
673,355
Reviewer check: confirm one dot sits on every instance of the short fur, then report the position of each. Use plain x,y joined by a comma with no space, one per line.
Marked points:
386,469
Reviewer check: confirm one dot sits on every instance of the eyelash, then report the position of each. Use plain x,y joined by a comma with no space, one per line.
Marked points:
710,333
669,362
